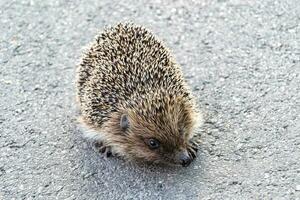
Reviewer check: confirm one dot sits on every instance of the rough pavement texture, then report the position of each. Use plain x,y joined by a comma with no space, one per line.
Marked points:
240,57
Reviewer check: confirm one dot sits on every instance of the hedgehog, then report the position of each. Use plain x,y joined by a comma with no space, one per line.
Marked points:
133,98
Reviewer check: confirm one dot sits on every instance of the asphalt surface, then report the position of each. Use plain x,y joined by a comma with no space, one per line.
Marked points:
242,59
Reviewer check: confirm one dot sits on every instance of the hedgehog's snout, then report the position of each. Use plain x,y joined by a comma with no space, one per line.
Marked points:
184,158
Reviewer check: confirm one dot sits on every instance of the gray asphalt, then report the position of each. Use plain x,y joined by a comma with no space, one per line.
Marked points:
241,57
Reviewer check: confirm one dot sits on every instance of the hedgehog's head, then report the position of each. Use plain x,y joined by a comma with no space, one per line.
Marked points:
156,131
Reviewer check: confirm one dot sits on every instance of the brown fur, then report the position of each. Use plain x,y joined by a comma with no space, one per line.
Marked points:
128,71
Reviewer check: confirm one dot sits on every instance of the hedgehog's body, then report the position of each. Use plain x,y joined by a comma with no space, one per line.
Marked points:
134,99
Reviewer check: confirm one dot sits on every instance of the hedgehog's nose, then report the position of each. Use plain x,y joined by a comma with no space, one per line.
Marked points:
185,159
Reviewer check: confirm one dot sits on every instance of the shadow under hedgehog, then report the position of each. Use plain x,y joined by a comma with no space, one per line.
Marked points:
134,100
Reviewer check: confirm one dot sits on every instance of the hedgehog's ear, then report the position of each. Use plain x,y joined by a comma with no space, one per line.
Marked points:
124,122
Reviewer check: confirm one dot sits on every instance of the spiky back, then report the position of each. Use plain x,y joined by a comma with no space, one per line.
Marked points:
126,67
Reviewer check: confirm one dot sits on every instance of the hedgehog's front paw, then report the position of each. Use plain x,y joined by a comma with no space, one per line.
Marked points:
99,147
193,146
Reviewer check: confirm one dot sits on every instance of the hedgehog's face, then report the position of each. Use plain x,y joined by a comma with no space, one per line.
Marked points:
163,137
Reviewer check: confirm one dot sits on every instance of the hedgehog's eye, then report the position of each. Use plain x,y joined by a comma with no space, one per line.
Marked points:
153,143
